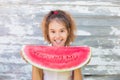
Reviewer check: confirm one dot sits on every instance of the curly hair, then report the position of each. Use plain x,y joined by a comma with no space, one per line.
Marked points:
61,16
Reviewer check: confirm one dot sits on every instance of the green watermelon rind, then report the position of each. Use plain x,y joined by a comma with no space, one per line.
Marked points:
58,70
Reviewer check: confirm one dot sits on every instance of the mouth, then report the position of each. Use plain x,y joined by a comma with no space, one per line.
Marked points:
58,42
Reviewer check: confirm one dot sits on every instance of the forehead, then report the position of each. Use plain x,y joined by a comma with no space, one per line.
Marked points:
55,24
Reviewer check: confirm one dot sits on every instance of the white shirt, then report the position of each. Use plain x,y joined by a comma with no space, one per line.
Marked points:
52,75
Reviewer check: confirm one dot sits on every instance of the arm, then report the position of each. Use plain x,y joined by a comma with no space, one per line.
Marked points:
77,74
37,74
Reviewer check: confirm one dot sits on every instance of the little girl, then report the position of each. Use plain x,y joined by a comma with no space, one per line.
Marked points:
58,30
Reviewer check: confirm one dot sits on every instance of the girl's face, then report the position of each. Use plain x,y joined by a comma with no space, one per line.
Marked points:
57,33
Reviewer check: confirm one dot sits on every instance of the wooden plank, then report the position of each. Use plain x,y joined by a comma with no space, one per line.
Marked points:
103,60
111,77
14,76
86,70
85,2
98,21
21,40
10,76
93,9
15,68
106,42
111,30
101,70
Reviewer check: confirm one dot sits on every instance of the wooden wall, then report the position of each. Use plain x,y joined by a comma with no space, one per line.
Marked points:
98,25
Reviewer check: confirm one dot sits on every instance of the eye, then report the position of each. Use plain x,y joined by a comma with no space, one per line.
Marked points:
62,30
52,31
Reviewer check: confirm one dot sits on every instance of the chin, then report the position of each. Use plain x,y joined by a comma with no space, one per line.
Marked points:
57,45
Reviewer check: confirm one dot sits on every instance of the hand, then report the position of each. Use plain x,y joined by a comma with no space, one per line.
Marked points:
23,56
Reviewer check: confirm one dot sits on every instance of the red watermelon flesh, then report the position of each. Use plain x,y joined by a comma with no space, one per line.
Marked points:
57,58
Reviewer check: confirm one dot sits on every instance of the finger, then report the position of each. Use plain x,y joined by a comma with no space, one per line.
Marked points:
23,56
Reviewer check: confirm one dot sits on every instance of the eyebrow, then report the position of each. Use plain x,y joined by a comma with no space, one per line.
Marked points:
51,29
61,28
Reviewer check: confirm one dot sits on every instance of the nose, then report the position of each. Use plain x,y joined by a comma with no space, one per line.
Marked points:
57,35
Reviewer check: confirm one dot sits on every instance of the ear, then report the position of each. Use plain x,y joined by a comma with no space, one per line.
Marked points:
48,39
68,31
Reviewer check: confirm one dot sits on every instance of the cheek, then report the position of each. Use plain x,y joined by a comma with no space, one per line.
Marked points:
50,36
65,35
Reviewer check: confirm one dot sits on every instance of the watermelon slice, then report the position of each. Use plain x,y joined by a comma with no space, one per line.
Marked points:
56,58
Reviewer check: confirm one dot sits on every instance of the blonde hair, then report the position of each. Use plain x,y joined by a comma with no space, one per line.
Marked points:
63,17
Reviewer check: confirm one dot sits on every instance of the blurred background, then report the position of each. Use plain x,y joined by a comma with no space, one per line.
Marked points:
98,26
